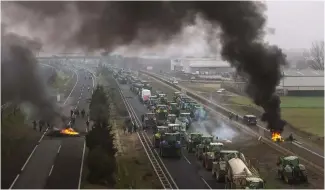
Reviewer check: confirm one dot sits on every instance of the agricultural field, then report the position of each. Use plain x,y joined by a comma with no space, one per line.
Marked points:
304,113
201,87
262,157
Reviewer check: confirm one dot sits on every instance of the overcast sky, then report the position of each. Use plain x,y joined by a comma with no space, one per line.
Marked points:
297,23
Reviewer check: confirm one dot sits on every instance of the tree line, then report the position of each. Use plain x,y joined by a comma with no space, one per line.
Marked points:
101,160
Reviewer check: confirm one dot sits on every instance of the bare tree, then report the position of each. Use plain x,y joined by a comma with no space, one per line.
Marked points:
317,55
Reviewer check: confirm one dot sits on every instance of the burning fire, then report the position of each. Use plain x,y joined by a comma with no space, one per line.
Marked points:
69,131
276,137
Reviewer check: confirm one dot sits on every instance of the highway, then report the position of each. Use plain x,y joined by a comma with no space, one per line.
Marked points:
186,172
300,147
220,126
56,163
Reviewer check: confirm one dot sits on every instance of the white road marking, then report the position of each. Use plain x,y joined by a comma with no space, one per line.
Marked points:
206,183
307,149
13,183
51,170
59,149
78,102
83,151
28,158
187,159
240,124
82,164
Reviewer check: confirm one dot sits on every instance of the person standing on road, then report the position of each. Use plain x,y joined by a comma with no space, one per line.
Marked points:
87,123
71,113
34,125
83,113
124,129
41,123
134,128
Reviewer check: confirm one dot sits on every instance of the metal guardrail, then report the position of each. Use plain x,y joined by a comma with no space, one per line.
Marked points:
161,171
214,107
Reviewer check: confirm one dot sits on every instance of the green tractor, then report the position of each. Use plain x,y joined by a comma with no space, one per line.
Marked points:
193,139
209,155
162,98
173,108
176,94
157,136
170,145
171,118
201,148
290,169
161,114
184,120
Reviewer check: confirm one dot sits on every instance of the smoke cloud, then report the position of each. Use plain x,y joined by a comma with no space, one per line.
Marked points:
20,79
109,25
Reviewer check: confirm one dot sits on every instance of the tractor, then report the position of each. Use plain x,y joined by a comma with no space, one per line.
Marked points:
201,148
170,145
157,136
173,108
290,169
176,94
149,121
161,114
209,155
146,85
193,139
199,113
184,120
171,118
162,98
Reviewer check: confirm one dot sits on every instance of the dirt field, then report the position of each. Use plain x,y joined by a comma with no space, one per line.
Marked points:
262,157
201,87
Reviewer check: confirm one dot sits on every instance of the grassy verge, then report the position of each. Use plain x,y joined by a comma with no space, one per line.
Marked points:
62,82
304,113
133,166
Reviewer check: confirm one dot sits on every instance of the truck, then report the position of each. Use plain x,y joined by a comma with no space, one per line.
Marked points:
145,94
219,169
170,145
240,177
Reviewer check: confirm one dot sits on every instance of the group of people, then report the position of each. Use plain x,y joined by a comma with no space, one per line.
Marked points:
41,125
76,113
129,127
232,115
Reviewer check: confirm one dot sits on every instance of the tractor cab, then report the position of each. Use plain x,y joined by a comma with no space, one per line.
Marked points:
149,120
173,128
192,140
201,148
290,169
171,118
158,135
176,94
170,146
209,154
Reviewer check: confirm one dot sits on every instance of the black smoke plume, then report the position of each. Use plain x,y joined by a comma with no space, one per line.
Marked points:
20,80
107,25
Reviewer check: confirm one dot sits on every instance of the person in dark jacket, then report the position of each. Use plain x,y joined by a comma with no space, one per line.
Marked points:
34,125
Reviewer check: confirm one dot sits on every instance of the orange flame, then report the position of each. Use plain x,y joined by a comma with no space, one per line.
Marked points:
69,131
276,137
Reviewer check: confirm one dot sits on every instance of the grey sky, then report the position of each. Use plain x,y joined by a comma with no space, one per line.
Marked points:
297,23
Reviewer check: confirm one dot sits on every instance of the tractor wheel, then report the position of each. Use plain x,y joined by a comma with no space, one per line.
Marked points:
280,175
203,163
213,174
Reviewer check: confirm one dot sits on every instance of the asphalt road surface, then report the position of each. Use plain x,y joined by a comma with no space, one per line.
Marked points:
302,148
186,172
56,162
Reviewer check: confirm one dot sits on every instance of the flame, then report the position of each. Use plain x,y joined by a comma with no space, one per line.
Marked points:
276,137
69,131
